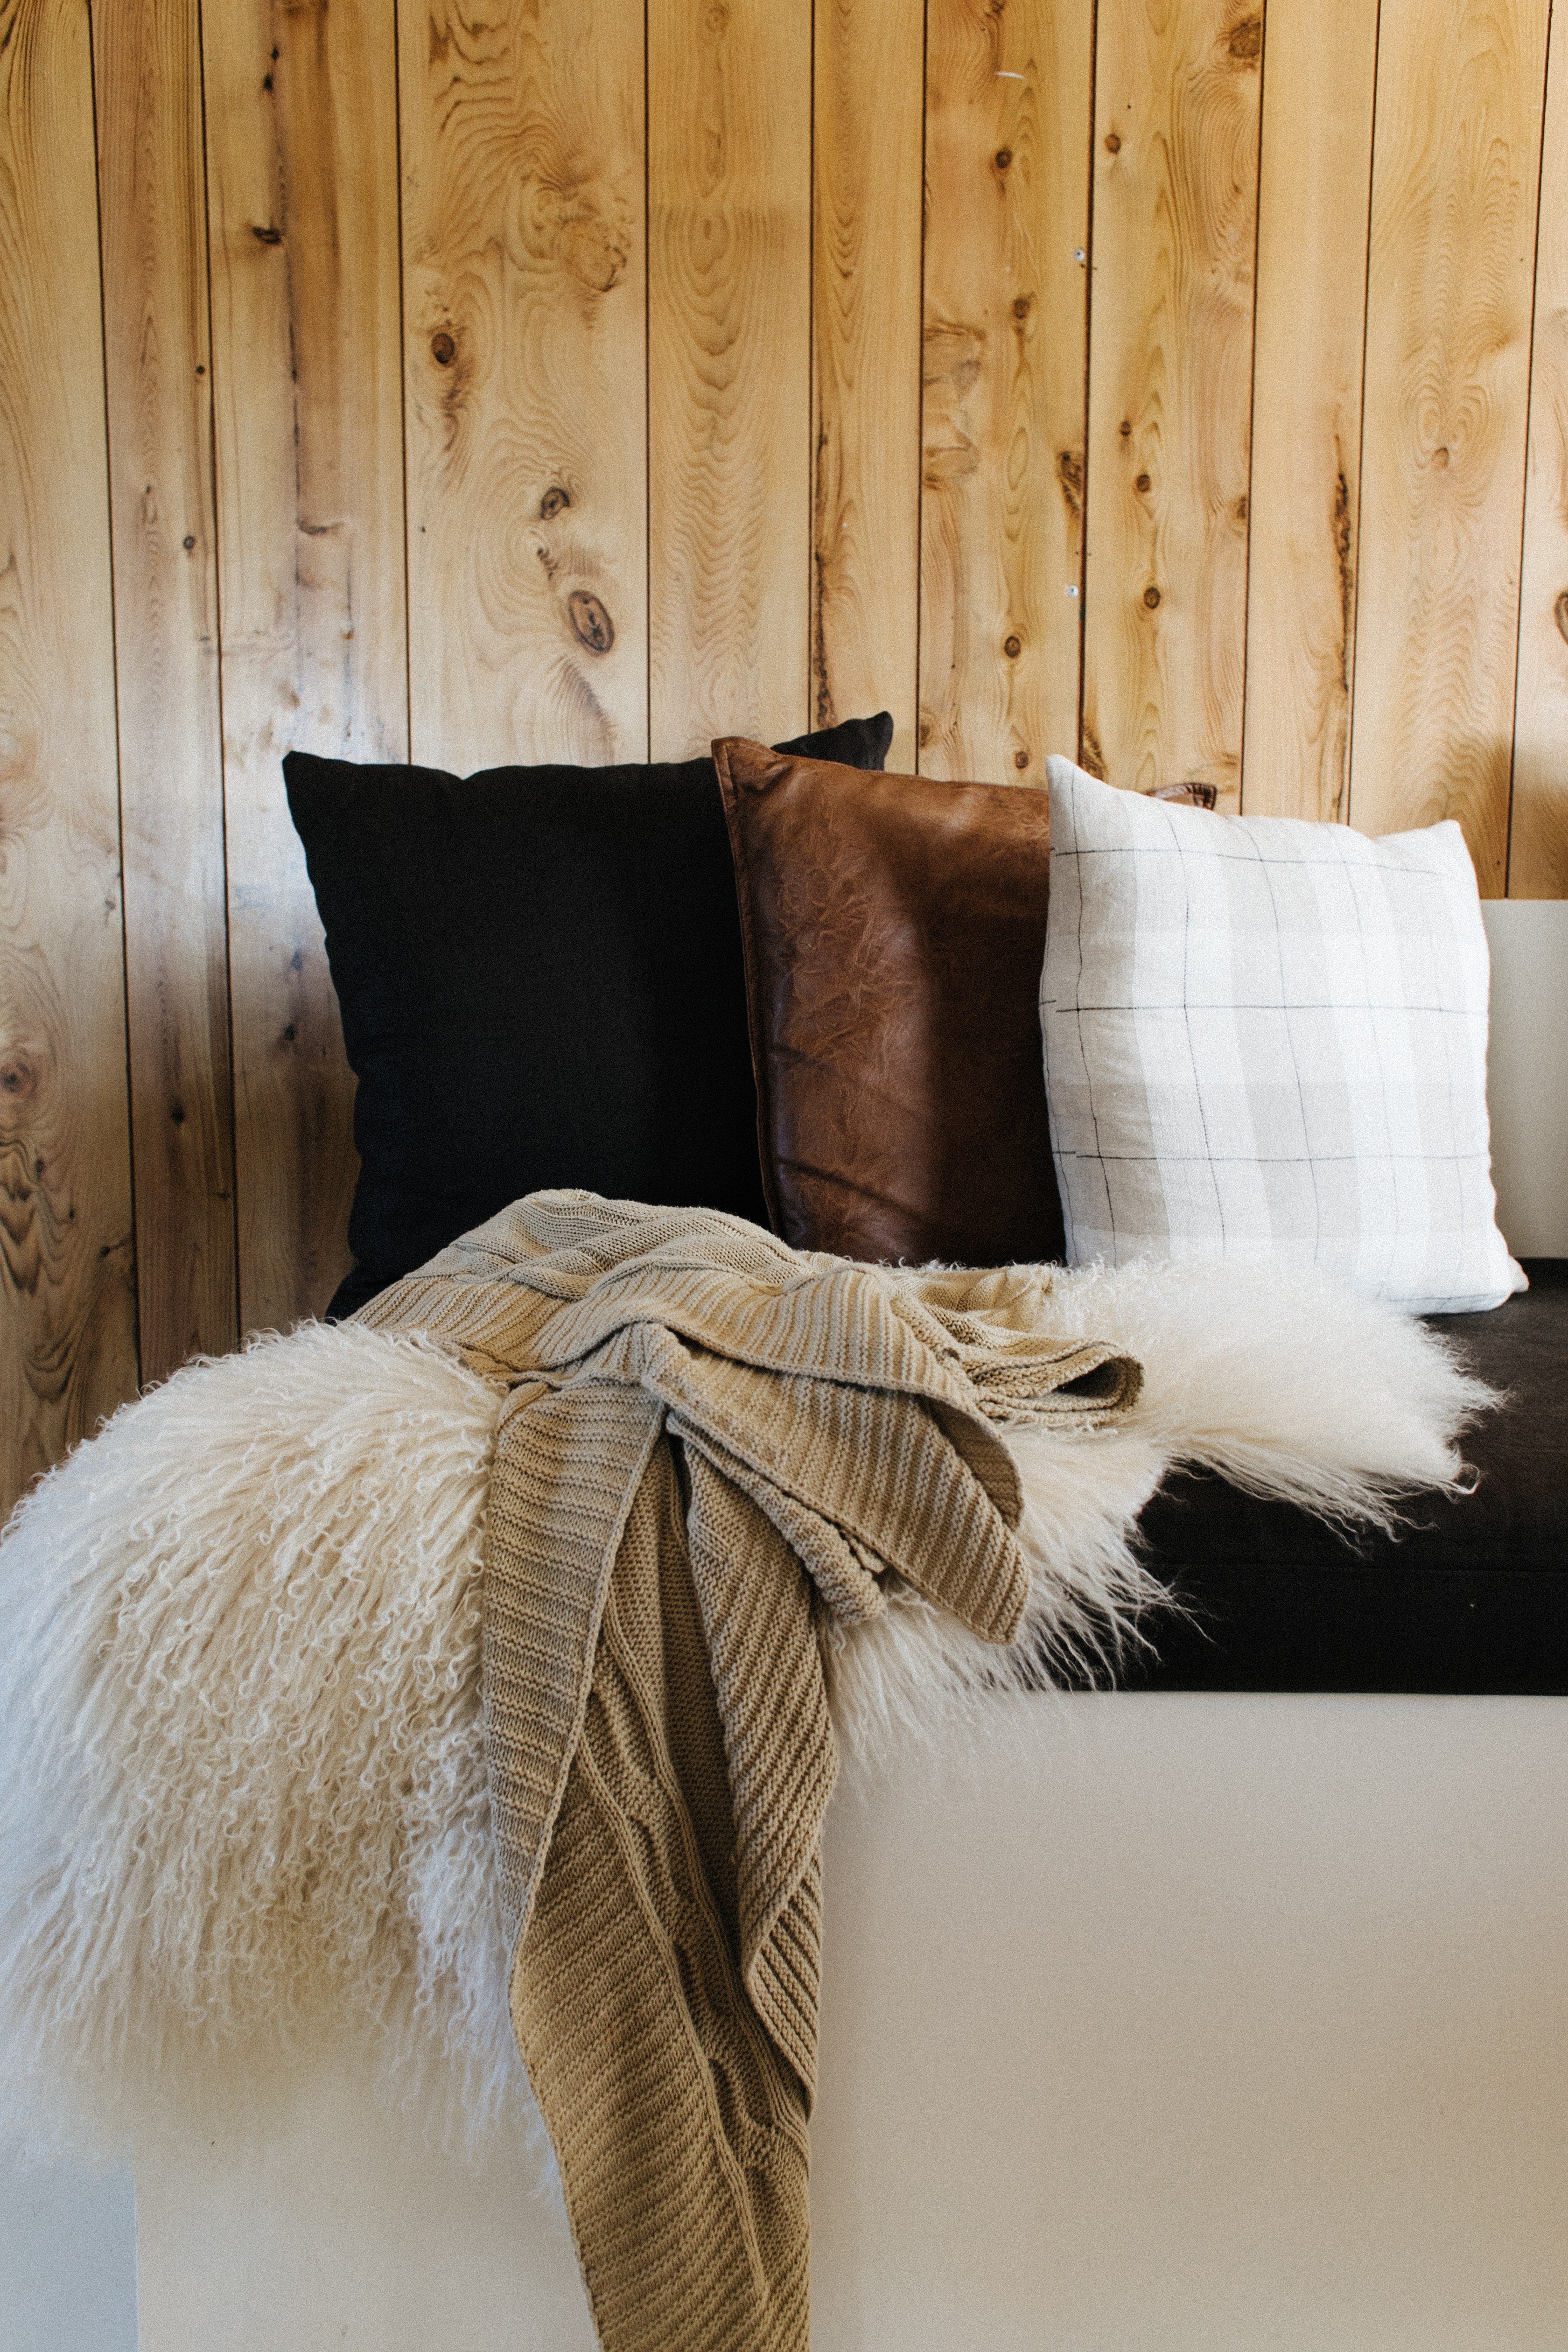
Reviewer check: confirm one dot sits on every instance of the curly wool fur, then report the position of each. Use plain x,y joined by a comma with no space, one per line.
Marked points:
242,1782
241,1757
1275,1376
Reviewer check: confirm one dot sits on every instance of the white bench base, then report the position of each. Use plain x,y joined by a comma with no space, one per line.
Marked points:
1177,2025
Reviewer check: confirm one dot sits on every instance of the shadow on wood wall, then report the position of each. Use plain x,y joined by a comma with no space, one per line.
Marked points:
1185,384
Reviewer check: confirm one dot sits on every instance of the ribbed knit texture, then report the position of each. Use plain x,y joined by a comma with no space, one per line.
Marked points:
712,1439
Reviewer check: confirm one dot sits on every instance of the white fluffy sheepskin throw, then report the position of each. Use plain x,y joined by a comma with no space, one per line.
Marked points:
242,1783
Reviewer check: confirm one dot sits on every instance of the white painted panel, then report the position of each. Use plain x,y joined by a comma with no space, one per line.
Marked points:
334,2228
1169,2025
1527,1071
68,2259
1203,2024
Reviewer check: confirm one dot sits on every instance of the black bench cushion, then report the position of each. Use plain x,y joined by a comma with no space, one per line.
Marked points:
1472,1596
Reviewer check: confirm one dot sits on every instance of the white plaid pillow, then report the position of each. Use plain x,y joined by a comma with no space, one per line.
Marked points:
1265,1038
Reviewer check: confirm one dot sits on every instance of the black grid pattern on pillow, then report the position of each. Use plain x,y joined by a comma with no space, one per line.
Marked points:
1265,1037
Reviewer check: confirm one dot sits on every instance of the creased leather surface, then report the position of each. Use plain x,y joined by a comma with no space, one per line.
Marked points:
894,928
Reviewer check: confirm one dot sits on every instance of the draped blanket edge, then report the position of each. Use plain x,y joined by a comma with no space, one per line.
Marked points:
714,1446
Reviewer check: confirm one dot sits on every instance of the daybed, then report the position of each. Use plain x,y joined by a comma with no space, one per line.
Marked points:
1185,2020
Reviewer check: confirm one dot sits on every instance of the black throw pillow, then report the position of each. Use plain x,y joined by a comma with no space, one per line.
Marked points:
541,981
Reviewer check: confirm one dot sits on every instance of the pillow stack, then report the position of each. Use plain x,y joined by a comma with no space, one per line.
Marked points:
1261,1038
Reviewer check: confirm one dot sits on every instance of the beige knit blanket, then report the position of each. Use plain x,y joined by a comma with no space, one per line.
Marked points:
710,1442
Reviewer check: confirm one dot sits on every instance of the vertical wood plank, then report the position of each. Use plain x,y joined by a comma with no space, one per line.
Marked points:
1313,201
1175,207
1538,854
729,370
868,61
1007,114
303,197
1455,173
525,258
152,204
68,1342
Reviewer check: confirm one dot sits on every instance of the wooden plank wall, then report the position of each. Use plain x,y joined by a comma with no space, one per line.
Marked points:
67,1263
1184,382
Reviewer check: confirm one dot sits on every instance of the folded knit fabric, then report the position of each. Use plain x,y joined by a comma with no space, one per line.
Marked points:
713,1445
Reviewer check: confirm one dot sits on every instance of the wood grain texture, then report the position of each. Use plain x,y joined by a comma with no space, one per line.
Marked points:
1455,171
1538,851
869,103
1313,203
302,195
526,257
152,210
67,1334
1008,113
729,370
1175,203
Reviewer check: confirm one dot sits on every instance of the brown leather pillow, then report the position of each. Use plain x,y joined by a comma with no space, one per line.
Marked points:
894,929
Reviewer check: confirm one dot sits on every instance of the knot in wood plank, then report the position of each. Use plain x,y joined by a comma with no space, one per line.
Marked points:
592,624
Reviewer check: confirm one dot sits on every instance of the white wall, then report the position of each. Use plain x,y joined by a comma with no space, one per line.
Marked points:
67,2261
1527,1071
340,2231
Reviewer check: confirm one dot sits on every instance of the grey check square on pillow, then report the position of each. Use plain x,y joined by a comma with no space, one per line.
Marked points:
1268,1038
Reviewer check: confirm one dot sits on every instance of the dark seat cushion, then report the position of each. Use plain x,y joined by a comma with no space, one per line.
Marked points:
1472,1596
540,982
